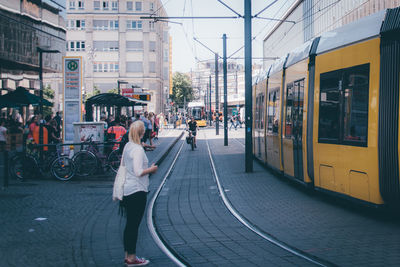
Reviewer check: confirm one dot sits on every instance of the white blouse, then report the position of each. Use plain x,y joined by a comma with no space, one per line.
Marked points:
135,161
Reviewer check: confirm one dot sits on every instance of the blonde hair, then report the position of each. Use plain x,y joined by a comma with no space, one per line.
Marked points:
136,131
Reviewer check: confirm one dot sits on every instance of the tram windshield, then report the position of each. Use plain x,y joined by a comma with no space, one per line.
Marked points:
196,113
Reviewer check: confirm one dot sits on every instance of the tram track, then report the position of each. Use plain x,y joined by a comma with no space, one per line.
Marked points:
179,260
268,237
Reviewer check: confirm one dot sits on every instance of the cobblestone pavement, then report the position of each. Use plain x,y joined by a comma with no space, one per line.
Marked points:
192,218
51,223
337,231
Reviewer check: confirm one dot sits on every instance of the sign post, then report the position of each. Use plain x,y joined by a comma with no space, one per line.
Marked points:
72,73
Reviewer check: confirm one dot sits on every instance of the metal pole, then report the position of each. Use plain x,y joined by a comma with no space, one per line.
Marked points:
225,92
119,90
209,102
41,105
216,96
248,80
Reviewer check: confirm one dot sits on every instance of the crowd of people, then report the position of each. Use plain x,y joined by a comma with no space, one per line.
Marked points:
117,128
52,126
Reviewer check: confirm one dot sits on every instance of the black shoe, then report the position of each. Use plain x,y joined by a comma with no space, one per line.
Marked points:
195,145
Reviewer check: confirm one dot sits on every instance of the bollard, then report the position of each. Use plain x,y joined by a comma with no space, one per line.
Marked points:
5,184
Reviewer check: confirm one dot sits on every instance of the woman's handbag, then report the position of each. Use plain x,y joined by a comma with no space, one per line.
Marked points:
118,190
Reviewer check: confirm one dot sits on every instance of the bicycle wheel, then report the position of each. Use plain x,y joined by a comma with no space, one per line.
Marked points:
114,160
85,163
192,142
63,168
21,167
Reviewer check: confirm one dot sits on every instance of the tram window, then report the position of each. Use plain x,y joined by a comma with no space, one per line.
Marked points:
355,104
289,110
343,109
329,107
273,111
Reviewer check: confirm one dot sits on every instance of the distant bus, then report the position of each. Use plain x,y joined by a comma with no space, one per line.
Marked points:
196,109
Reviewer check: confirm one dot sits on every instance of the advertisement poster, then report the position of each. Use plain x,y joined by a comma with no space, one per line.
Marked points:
72,74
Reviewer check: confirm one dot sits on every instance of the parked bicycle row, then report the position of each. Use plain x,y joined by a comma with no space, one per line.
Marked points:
63,164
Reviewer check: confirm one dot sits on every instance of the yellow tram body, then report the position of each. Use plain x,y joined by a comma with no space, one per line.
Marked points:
323,113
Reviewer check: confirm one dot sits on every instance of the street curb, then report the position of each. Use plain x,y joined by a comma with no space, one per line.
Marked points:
164,155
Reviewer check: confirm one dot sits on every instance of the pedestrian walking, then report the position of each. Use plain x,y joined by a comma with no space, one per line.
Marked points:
136,187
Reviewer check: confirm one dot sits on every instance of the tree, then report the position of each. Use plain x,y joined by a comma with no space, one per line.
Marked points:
48,94
113,91
181,89
96,91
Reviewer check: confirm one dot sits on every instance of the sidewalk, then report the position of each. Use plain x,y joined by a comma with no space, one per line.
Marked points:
74,223
311,222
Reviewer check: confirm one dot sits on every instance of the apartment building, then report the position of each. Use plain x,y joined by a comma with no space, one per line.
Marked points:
25,26
116,44
307,19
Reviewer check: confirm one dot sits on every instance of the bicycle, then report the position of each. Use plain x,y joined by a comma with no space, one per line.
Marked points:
90,158
28,165
190,139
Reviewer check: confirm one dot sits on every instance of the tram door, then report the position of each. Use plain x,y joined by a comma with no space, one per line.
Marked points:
298,102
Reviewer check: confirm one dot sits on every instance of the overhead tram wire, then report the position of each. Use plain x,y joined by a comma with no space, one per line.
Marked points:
331,5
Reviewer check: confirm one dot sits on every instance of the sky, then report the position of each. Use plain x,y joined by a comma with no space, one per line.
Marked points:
209,32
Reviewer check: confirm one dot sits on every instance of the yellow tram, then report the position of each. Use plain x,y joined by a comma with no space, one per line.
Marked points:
327,113
196,109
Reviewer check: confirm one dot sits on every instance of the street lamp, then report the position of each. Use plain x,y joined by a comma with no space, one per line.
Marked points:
41,50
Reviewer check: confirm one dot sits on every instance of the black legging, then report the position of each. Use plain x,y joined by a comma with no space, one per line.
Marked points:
134,206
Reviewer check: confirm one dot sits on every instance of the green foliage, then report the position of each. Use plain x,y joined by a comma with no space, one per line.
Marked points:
181,89
96,91
48,94
113,91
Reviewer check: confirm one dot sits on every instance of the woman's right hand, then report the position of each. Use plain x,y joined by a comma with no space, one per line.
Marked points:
153,168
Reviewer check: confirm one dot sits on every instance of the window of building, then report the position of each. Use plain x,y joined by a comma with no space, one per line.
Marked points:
76,46
165,73
106,45
165,56
343,108
152,67
105,67
105,5
71,5
114,24
138,6
152,46
151,25
81,5
273,110
96,5
134,24
114,5
129,5
151,6
134,45
134,66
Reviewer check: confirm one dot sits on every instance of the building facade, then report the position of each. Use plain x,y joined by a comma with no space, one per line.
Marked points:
307,19
26,25
117,45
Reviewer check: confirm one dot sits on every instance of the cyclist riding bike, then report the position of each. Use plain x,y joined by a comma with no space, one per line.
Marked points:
193,129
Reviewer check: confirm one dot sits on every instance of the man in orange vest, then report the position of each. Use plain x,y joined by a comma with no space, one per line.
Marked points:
118,131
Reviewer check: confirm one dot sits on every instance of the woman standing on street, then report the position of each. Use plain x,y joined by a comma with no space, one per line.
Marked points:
135,191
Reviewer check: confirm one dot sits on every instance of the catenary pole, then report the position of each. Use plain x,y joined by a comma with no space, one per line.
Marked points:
248,80
225,92
216,96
